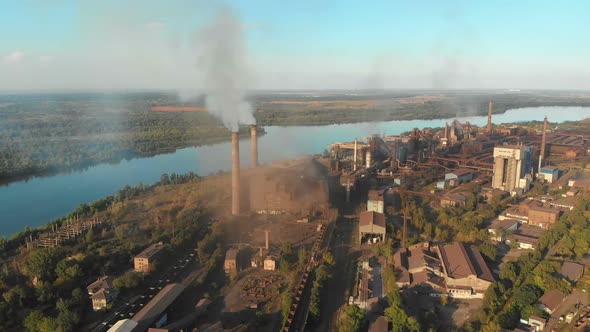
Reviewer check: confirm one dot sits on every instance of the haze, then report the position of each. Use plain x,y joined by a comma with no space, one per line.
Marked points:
298,45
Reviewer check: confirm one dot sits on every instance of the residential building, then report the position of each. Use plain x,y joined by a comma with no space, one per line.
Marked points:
551,300
454,199
105,282
526,236
543,217
102,299
572,271
499,229
371,227
145,261
418,266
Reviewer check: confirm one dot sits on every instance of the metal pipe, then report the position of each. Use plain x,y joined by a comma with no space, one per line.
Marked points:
254,144
235,174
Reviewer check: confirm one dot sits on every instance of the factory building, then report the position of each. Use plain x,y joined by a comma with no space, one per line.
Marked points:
459,176
465,271
548,173
376,201
512,164
371,227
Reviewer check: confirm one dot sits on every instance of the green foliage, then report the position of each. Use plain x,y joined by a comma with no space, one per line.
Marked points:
351,319
287,257
129,280
36,321
42,263
286,302
400,320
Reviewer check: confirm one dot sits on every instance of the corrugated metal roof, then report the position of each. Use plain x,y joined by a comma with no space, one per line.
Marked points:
124,325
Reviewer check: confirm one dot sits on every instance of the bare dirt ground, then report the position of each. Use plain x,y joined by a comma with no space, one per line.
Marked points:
250,230
459,311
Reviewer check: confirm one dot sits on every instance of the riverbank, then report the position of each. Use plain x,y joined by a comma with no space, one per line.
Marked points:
49,134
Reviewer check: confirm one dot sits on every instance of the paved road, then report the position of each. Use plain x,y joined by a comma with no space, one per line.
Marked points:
131,307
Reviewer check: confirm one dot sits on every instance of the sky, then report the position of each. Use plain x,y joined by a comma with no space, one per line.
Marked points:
108,44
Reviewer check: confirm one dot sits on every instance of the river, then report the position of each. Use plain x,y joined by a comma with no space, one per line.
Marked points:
39,200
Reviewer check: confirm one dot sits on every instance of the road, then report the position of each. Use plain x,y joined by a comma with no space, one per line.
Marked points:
131,307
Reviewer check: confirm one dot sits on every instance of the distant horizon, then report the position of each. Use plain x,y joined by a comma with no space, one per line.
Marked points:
301,45
299,91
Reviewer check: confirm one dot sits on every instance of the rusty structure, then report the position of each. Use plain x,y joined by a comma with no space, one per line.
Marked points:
235,174
69,230
254,145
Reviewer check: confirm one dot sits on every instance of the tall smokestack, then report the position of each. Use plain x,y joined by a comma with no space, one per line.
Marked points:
490,108
266,240
235,174
543,141
254,144
354,158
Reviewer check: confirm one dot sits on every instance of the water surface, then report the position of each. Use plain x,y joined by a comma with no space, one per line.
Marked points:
37,201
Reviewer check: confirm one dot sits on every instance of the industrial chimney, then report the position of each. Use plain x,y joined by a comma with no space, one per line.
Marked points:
543,141
235,174
254,144
266,240
489,128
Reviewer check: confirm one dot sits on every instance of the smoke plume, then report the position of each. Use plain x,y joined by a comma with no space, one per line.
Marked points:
222,61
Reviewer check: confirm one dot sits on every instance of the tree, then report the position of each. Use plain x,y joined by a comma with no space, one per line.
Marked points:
89,236
130,279
489,250
32,320
36,321
67,320
41,264
351,319
400,320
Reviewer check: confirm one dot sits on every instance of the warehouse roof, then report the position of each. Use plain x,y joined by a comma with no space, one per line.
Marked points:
153,309
368,218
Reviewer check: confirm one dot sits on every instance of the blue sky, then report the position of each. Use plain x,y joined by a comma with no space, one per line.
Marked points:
55,44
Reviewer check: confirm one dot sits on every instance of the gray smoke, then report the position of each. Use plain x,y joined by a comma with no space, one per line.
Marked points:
222,61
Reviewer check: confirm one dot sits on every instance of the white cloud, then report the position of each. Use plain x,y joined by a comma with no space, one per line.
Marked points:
155,25
15,56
